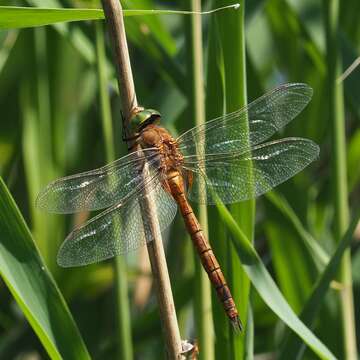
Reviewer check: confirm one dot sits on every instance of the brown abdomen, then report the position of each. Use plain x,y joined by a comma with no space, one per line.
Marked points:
208,259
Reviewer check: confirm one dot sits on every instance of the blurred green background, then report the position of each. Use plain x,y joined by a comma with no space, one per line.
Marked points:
55,85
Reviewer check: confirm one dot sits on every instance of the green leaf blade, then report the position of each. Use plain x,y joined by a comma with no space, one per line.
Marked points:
13,17
33,287
267,288
310,310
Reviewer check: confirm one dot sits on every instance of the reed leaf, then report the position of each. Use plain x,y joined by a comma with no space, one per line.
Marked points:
232,35
340,191
15,17
292,344
33,287
320,257
203,315
215,97
266,287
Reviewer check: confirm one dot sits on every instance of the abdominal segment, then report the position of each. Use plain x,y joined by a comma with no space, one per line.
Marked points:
208,259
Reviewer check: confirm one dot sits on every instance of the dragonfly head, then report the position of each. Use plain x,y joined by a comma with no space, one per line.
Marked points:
141,119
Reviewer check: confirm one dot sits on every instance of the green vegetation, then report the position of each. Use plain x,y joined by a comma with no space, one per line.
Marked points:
292,263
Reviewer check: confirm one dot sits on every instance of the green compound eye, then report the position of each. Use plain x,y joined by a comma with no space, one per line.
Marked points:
142,119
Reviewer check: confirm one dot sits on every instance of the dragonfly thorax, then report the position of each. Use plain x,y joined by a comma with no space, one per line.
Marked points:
158,137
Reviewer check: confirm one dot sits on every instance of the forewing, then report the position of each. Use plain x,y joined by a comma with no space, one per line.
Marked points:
99,188
249,126
240,176
118,230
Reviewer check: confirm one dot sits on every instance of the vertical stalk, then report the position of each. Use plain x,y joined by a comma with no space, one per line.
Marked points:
215,98
341,216
125,350
114,19
39,166
203,290
105,106
232,31
116,27
249,348
43,127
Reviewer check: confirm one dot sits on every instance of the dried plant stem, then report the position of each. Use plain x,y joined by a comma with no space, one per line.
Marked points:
115,22
114,18
124,341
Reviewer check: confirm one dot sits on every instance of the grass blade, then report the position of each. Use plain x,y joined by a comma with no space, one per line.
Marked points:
37,150
339,171
266,287
33,287
321,258
232,32
250,328
293,345
15,17
215,97
203,315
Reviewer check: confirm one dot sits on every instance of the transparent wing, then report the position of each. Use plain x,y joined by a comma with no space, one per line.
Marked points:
99,188
240,176
264,117
119,229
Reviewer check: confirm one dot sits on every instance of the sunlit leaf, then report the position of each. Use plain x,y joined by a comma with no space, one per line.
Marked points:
32,286
12,17
267,288
311,308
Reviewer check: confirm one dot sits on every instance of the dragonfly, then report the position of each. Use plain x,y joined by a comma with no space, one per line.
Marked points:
225,159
